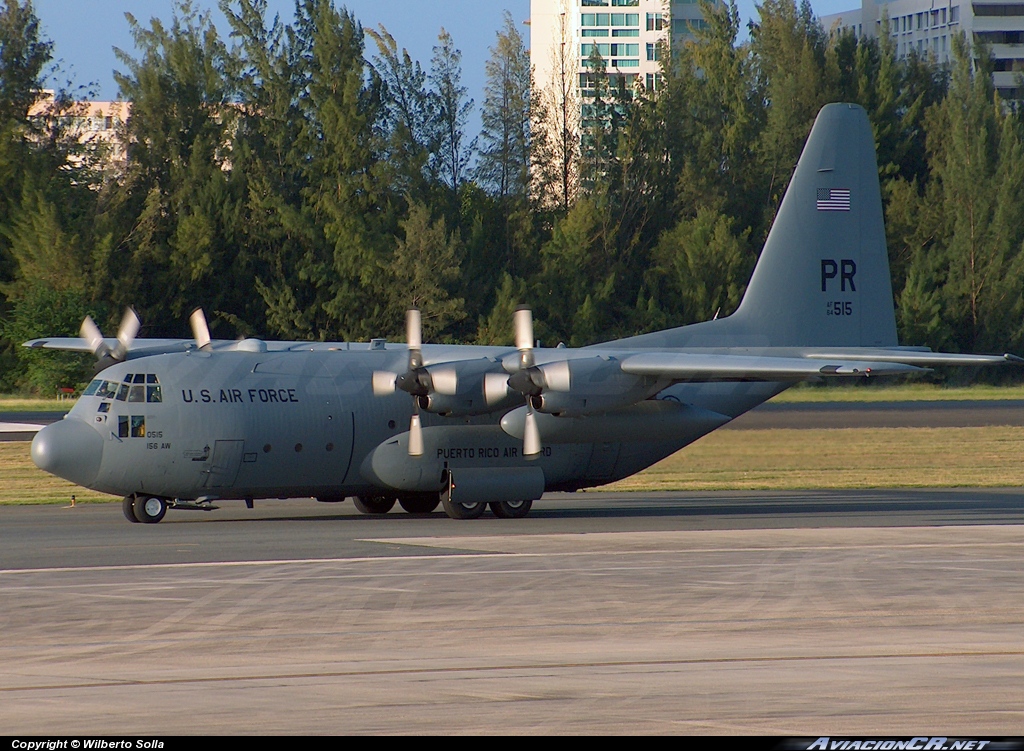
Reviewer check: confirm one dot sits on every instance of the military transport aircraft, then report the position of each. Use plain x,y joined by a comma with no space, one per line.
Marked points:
182,423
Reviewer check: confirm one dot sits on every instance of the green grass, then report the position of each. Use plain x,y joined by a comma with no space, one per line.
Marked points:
841,458
9,403
21,482
902,392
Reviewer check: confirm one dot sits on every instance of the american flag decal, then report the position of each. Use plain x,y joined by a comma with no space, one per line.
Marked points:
833,199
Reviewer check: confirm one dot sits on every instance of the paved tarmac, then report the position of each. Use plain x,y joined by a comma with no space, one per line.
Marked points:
807,613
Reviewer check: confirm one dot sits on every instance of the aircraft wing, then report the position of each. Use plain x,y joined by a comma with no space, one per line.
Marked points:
915,357
78,344
711,367
146,347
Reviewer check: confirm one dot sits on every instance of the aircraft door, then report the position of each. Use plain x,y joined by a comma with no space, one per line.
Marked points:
224,462
602,460
338,429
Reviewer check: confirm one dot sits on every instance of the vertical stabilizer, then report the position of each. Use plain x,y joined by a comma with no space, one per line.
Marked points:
823,277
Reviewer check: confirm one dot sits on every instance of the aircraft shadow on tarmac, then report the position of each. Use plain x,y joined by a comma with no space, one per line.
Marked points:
813,507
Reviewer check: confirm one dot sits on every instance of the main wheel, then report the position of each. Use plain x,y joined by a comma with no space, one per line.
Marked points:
420,503
458,510
373,504
330,498
128,509
149,510
511,509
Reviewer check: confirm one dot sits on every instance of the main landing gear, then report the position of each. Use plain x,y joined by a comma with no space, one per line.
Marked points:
425,503
413,503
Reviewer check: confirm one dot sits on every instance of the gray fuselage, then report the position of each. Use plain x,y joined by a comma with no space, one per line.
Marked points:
299,424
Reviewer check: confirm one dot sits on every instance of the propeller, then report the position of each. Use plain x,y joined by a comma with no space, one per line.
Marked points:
527,379
415,381
200,329
106,355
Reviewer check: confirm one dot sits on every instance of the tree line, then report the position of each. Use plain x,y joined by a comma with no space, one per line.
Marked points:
310,180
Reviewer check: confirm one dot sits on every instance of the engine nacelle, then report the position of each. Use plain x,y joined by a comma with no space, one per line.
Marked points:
463,389
589,386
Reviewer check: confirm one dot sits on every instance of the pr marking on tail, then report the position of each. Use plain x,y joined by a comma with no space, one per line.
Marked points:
845,269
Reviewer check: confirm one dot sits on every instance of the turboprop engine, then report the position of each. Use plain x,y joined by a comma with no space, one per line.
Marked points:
581,386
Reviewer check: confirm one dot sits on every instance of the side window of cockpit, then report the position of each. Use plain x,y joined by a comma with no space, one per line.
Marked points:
122,426
122,392
137,393
138,426
153,392
106,390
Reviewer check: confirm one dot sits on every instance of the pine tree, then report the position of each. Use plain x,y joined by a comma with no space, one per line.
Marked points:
503,166
452,153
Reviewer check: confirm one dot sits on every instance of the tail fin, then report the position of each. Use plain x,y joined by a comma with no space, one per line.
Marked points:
823,276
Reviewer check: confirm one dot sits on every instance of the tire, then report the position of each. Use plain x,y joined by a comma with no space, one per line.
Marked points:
128,509
373,504
149,509
457,510
420,503
511,509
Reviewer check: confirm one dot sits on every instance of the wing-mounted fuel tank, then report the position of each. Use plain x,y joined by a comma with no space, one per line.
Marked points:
457,448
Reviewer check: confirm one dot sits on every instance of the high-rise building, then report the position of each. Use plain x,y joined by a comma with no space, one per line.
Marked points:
628,34
566,36
928,27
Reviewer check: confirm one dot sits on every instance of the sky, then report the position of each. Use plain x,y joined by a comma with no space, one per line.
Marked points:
85,32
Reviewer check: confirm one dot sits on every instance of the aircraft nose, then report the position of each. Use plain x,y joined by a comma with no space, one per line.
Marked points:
70,449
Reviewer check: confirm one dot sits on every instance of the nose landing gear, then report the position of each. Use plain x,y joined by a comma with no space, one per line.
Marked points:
143,508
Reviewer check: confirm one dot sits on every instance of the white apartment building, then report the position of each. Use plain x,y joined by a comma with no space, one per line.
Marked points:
96,125
628,34
928,27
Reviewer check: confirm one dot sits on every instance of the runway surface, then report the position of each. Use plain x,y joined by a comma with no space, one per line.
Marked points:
782,613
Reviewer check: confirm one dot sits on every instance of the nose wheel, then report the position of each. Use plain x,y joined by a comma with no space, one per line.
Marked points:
128,509
145,509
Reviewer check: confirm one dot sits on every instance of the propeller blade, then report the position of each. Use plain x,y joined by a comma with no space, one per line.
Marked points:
415,434
200,329
93,336
414,337
531,433
384,382
495,388
126,333
444,381
524,335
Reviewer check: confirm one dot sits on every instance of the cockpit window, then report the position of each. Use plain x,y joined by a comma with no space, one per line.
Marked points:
91,388
136,387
